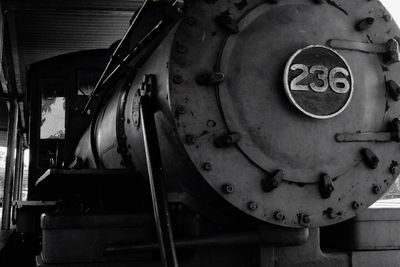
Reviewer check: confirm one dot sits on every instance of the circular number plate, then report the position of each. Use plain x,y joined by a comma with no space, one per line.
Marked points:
318,81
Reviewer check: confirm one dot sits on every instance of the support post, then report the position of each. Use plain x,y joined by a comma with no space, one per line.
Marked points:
157,186
10,165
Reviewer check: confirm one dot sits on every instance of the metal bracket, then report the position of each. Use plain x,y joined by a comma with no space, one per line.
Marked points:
269,184
227,140
147,87
393,135
326,186
391,49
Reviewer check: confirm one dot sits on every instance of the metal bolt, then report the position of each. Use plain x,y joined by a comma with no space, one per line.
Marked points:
393,89
227,140
355,205
190,139
268,184
370,158
376,189
178,79
332,214
209,78
180,110
387,17
207,166
128,121
252,206
394,167
318,1
181,48
191,21
279,216
326,186
306,219
228,188
365,24
393,52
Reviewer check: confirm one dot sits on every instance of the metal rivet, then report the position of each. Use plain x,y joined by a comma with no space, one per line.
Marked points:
207,166
279,216
306,218
376,189
332,214
228,189
273,1
252,206
191,21
210,78
268,184
326,186
393,89
365,24
387,17
128,121
181,48
355,205
178,79
394,167
318,1
190,139
227,140
180,110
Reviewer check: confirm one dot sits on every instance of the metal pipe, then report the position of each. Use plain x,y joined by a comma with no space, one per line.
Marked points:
10,165
114,55
156,180
18,169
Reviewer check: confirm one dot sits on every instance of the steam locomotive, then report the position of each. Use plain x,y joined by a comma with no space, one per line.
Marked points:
224,133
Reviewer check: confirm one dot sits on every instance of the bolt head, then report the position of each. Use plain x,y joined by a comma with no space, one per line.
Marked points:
178,79
306,219
190,139
180,109
191,20
228,189
252,206
355,205
330,188
279,216
207,166
376,189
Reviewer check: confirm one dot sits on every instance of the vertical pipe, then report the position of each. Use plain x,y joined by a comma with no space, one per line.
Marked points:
157,186
18,169
10,164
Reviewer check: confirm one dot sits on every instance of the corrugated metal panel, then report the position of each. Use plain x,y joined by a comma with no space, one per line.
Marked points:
121,5
47,28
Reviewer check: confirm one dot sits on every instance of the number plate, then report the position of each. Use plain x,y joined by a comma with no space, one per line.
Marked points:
318,81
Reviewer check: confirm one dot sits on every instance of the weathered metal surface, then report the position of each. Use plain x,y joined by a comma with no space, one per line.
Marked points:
250,44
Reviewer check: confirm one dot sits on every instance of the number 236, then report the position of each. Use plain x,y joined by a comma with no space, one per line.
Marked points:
328,78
